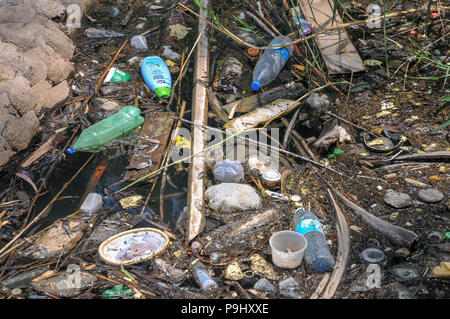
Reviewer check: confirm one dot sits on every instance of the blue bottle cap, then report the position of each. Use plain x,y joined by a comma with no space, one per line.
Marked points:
70,151
256,85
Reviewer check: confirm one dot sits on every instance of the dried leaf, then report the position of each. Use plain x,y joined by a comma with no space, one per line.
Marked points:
27,179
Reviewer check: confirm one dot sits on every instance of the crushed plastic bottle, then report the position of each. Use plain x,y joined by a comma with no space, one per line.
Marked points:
139,42
317,254
271,62
116,292
111,128
202,275
229,172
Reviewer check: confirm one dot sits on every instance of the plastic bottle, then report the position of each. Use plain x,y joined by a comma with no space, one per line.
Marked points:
271,63
202,276
229,172
157,76
317,255
111,128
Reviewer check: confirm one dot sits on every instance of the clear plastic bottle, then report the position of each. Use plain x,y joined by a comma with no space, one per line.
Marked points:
317,254
202,276
229,172
111,128
271,63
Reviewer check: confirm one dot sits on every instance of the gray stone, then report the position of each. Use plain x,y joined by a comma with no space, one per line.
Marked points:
232,197
102,108
289,288
92,204
18,90
264,285
430,196
139,42
397,199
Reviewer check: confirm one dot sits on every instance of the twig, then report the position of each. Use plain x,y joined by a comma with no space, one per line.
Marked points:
110,64
320,287
290,127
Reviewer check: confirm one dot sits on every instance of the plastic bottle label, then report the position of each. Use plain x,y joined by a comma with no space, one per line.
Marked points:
308,225
284,52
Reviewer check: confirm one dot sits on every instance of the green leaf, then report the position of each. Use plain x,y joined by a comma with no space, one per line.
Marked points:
445,98
441,127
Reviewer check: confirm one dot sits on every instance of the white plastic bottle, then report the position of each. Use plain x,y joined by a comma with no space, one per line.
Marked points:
271,63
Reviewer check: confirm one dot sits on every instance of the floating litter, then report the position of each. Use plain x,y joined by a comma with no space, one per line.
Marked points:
133,246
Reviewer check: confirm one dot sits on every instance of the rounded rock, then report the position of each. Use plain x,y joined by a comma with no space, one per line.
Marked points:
397,199
430,196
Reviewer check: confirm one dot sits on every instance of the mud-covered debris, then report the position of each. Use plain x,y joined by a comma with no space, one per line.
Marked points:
173,274
318,102
441,271
24,279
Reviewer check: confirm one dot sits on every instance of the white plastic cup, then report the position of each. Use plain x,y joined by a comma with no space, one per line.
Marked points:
281,241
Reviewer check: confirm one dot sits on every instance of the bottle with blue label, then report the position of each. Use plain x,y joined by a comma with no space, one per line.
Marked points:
271,62
157,76
317,254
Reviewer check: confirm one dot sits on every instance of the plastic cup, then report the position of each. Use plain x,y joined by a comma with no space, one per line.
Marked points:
283,241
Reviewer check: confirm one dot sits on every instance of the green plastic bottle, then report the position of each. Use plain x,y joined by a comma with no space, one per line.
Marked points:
111,128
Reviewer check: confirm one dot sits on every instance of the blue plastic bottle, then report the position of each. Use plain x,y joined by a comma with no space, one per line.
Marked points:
317,255
271,62
157,76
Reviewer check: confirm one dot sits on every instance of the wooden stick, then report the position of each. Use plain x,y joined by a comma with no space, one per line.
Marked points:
320,287
195,218
343,234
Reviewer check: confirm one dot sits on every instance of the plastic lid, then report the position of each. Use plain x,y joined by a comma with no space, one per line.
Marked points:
256,85
162,92
70,151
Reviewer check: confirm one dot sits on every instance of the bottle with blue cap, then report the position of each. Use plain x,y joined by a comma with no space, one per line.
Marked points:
271,62
317,255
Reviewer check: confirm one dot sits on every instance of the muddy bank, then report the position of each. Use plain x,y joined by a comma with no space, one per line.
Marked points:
35,61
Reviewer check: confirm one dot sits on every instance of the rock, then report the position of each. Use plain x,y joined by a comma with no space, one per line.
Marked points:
65,285
169,54
318,102
24,279
430,196
33,69
47,96
406,271
58,68
5,151
18,90
397,199
91,204
174,275
4,101
102,108
441,271
232,197
264,285
19,132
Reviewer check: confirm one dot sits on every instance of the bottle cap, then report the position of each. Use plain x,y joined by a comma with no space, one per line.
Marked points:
70,151
256,85
162,92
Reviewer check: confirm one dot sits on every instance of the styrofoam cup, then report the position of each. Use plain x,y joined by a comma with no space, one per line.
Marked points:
281,241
